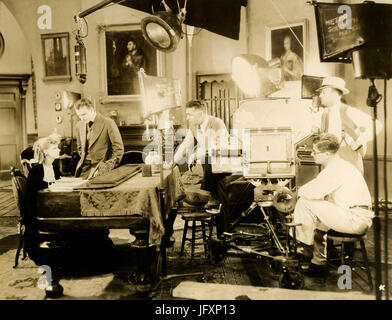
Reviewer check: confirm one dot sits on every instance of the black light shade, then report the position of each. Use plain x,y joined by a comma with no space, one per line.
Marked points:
162,30
372,63
309,85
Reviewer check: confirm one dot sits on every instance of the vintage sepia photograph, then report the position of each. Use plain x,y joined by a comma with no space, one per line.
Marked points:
195,159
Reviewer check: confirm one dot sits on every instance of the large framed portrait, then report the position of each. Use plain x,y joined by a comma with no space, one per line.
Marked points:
288,43
124,52
55,50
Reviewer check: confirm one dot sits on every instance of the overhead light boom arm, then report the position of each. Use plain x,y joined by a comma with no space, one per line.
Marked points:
98,6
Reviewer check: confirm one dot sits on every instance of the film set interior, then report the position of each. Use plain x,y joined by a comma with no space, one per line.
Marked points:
195,150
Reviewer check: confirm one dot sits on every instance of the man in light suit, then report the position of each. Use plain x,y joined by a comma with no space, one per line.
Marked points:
99,141
353,127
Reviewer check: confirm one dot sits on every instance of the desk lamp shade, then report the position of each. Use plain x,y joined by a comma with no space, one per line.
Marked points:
255,76
162,30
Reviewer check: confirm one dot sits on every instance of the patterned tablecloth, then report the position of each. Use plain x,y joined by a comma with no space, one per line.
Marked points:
136,196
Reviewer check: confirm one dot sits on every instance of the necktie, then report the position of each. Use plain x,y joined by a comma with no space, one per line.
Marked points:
90,123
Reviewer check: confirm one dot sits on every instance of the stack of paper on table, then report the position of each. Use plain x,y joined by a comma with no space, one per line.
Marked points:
66,184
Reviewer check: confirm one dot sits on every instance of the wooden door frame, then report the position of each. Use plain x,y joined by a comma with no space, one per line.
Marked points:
20,81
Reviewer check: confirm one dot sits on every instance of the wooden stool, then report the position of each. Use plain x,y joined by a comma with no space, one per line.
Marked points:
214,213
341,238
194,217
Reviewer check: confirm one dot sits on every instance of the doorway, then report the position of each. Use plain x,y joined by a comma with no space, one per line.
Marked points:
13,137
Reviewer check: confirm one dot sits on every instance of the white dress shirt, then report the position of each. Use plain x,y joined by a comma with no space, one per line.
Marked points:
362,120
49,174
335,123
341,182
208,132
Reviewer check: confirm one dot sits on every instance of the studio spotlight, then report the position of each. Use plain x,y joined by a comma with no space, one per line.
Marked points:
162,30
255,76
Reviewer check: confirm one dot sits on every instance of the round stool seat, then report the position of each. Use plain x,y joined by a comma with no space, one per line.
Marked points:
196,216
345,237
214,211
341,239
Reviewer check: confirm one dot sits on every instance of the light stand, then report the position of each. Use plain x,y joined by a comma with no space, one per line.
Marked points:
386,194
373,98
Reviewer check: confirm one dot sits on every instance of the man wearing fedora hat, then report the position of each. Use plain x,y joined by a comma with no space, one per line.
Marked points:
352,126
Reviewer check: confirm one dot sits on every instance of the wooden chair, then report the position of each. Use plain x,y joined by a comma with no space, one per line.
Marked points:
19,182
26,166
339,239
25,160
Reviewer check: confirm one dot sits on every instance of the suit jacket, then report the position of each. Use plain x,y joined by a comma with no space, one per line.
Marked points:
105,142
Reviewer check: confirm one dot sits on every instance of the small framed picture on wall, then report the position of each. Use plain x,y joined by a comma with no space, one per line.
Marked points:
56,56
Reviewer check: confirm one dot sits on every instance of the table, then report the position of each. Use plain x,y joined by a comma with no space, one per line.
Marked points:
137,201
137,204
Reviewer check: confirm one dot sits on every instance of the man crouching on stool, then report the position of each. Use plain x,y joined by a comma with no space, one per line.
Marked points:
338,199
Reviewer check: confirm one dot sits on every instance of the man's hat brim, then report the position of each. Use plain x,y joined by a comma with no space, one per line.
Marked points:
343,90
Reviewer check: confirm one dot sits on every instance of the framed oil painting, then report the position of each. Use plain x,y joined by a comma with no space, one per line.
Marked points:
123,53
56,56
288,44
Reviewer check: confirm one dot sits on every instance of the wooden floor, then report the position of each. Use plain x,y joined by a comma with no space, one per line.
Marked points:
249,272
7,201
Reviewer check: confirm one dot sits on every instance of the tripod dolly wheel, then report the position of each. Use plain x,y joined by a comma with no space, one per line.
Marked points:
217,252
291,280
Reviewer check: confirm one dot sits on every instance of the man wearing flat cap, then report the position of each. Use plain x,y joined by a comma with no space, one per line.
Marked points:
352,126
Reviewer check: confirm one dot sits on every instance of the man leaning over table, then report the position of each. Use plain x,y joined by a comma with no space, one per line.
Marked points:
100,147
99,141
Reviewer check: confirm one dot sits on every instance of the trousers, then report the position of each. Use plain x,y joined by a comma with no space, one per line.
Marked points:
318,216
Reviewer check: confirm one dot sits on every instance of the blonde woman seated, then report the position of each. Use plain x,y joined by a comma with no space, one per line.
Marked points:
41,175
46,172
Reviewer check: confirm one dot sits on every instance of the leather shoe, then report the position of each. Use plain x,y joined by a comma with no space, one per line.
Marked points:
316,271
212,203
304,254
